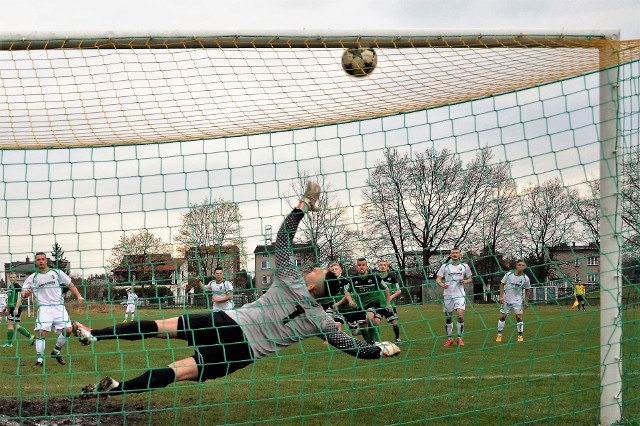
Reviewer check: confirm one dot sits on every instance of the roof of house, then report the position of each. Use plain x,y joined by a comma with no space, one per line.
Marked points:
271,248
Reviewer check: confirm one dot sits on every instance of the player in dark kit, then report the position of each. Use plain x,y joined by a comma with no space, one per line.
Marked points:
14,304
227,340
366,292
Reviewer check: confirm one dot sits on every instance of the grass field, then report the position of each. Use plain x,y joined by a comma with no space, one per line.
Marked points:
551,378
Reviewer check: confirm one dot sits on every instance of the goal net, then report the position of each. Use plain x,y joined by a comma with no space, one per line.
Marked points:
146,162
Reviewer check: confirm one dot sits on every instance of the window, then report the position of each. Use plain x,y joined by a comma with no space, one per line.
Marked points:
265,280
592,278
593,261
298,262
265,264
576,262
577,277
22,276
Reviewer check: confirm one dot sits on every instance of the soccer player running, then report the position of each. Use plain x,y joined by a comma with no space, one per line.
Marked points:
369,292
452,276
228,340
580,292
511,300
46,284
132,301
394,288
14,303
221,289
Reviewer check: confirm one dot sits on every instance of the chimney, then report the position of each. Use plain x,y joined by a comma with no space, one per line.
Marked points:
28,260
574,243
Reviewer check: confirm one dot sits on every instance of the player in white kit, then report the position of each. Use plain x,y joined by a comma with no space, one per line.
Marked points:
221,290
46,285
511,300
132,301
452,276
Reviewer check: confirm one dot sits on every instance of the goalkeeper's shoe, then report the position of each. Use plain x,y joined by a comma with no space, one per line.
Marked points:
499,338
449,342
520,338
311,196
83,333
387,349
103,387
55,354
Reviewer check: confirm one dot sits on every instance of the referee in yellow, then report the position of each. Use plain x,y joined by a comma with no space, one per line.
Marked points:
579,291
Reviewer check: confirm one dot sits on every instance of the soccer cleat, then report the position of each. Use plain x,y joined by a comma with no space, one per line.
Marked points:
7,345
499,338
83,333
459,341
38,364
32,339
55,354
311,196
107,384
398,342
449,342
520,338
88,391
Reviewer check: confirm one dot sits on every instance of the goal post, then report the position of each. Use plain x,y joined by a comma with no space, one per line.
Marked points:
131,131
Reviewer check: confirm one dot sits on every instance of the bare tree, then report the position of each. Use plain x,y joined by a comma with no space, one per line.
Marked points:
206,229
329,229
137,253
548,221
429,202
588,211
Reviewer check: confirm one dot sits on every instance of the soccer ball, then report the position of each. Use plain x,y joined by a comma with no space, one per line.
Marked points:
359,62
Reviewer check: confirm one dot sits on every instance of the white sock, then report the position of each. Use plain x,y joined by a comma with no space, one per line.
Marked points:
500,326
449,329
62,340
460,329
520,326
40,348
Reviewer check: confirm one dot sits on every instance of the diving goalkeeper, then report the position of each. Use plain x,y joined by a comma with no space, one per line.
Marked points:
228,340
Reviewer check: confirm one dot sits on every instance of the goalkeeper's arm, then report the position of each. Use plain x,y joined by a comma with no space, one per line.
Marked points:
355,347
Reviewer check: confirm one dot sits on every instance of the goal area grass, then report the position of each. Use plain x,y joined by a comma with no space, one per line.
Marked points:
551,377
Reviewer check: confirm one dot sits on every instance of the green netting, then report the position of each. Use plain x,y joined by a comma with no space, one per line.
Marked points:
506,177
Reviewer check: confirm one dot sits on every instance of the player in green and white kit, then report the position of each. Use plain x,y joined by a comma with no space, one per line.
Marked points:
132,303
395,290
368,293
452,276
14,305
511,300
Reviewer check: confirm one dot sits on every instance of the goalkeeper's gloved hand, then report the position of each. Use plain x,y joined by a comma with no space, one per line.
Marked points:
311,196
387,349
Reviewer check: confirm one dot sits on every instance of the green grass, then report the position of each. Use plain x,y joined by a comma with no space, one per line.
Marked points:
551,378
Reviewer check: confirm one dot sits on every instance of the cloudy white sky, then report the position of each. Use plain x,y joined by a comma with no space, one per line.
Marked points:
215,16
87,237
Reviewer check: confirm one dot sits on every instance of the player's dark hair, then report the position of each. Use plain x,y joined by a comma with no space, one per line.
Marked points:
456,248
520,261
360,259
218,268
42,253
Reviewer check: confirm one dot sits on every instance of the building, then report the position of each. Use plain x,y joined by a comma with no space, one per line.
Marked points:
28,267
265,260
573,262
203,260
156,269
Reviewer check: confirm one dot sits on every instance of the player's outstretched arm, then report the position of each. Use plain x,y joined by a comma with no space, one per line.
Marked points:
355,347
285,268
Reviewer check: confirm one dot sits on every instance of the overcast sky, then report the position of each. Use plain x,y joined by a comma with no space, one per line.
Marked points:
215,16
85,236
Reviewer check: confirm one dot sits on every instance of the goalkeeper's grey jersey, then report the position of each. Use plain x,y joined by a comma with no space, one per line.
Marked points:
285,314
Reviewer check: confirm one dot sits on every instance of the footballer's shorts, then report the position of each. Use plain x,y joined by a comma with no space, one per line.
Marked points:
580,297
220,346
130,309
389,316
516,308
13,314
52,315
453,304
